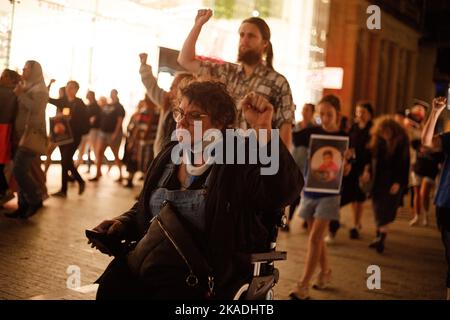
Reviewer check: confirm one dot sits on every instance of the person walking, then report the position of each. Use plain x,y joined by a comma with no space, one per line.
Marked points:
441,142
32,97
77,113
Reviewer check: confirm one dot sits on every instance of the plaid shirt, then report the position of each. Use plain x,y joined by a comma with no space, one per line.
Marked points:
264,81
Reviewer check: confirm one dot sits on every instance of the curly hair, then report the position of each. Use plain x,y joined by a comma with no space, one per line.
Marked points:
213,98
383,124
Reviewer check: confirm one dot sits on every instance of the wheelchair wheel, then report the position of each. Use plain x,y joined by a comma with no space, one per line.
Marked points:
240,294
270,295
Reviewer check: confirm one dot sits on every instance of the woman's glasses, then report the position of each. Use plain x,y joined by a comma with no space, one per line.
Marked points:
191,117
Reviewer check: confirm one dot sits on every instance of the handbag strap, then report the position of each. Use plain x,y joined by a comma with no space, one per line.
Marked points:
184,240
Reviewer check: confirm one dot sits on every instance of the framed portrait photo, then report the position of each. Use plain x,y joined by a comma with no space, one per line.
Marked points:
325,168
60,131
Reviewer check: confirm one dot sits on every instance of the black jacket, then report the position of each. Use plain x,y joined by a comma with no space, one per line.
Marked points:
8,102
390,168
238,201
79,115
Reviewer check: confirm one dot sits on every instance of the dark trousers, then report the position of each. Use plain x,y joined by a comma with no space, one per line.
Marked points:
67,152
3,183
29,193
119,283
443,222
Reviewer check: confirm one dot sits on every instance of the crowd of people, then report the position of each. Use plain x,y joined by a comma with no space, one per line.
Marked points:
93,126
224,207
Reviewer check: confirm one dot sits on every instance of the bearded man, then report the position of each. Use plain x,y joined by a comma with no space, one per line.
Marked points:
254,71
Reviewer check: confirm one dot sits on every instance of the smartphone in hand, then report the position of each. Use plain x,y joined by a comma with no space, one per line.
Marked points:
106,244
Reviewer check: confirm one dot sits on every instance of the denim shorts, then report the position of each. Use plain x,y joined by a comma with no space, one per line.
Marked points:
321,208
107,138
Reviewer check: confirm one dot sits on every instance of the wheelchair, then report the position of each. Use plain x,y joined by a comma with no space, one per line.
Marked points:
265,276
257,285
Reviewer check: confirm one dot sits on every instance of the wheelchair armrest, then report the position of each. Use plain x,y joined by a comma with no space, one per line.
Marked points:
268,256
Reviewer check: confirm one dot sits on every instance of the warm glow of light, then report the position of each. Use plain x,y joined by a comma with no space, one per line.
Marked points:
332,78
102,53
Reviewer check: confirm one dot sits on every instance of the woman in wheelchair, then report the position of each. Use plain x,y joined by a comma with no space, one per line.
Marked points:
197,220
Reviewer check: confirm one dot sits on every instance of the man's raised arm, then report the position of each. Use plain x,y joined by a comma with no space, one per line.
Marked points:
428,138
186,58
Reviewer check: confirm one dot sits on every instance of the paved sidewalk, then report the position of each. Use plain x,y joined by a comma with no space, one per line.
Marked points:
35,254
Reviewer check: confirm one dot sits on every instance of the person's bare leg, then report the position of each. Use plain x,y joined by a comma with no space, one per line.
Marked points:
425,191
357,214
323,261
81,149
101,146
425,194
117,161
315,244
417,206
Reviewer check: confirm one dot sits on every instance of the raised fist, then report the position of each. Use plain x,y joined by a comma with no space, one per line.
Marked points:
203,16
143,57
439,103
257,110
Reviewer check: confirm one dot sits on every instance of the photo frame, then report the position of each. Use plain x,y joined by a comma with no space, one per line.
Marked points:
60,131
325,168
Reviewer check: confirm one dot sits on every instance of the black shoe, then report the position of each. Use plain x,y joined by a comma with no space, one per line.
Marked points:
32,210
305,225
71,178
354,234
59,194
81,187
380,247
378,243
16,214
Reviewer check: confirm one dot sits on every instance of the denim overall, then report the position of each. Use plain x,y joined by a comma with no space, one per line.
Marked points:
189,203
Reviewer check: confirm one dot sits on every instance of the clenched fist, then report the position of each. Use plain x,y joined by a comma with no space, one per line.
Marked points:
143,57
257,111
203,16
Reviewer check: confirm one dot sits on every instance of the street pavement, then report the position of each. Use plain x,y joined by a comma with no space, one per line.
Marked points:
43,257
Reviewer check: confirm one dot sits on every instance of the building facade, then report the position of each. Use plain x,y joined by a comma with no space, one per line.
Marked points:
380,65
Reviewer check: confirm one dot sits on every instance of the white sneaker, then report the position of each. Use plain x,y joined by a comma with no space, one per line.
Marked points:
330,240
414,221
